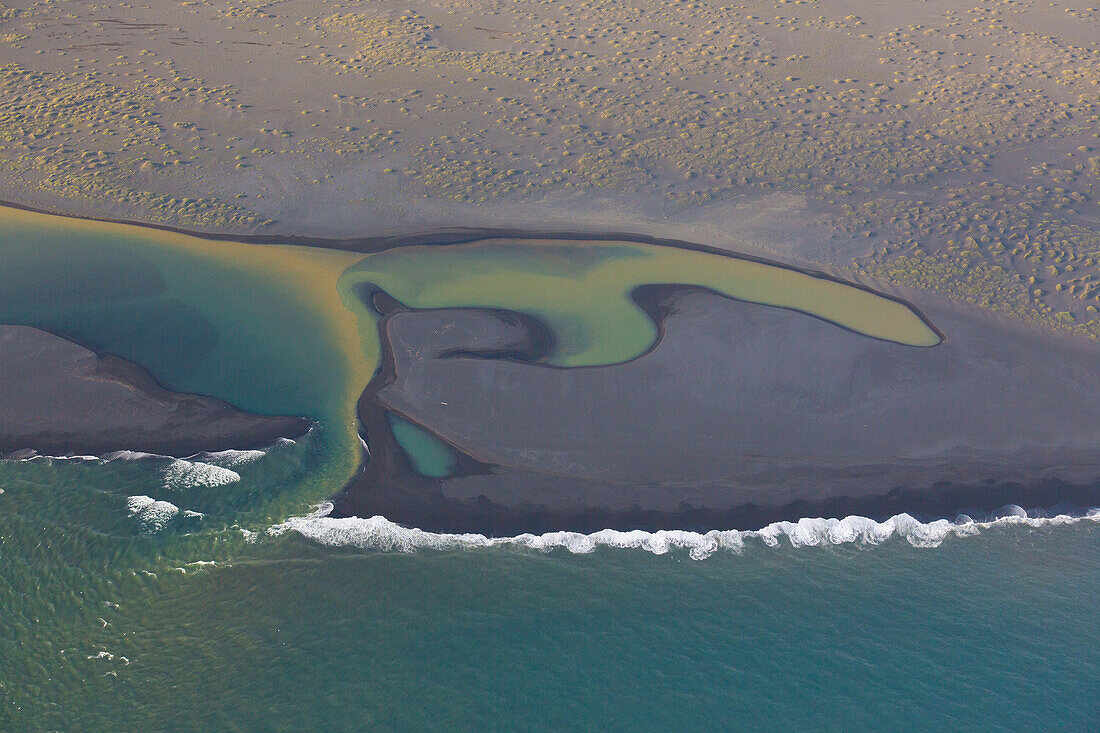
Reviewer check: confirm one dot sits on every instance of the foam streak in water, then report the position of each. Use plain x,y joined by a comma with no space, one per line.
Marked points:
378,533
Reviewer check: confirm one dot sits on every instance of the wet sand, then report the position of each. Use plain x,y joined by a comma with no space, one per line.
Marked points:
58,397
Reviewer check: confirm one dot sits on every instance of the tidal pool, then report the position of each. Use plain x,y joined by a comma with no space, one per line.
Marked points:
427,454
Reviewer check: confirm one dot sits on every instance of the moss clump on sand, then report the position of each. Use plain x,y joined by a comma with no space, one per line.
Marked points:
965,277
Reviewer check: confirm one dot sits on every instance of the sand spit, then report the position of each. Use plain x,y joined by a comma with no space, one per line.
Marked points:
58,397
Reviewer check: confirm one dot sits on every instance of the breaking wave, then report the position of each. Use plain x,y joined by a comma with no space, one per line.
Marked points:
207,469
380,534
33,455
151,515
129,455
184,474
231,458
223,458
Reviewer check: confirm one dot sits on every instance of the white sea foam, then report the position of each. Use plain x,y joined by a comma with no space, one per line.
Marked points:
152,515
378,533
184,474
32,455
223,458
230,458
129,455
200,565
118,455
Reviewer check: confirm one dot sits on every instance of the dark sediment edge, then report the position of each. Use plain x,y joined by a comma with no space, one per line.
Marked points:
389,486
265,429
464,235
387,470
942,501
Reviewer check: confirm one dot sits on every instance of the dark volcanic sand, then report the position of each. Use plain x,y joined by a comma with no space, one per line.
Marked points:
742,415
57,397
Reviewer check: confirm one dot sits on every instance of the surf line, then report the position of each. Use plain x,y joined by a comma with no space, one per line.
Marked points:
380,534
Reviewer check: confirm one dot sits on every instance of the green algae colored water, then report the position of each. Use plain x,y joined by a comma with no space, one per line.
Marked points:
230,613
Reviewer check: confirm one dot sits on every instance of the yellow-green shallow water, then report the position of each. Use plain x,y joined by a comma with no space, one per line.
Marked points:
581,290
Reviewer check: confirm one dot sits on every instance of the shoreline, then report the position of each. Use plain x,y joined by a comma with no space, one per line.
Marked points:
1048,500
405,497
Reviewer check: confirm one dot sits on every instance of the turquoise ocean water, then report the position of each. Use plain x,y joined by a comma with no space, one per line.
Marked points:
109,628
141,592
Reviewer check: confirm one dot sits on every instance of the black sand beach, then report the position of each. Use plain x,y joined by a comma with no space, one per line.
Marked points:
740,416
